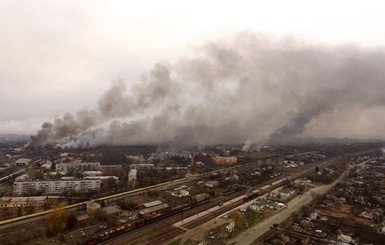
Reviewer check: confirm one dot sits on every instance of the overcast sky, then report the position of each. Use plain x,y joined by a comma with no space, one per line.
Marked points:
60,56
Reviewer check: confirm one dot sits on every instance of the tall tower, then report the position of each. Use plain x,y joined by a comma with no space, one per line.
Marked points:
192,159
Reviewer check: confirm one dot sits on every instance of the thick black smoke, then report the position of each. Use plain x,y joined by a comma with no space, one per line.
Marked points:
246,88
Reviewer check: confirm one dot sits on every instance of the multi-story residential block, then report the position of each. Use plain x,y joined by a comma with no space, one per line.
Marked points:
78,166
142,166
55,186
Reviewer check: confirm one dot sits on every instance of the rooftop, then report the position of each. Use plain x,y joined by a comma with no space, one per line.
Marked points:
153,203
153,209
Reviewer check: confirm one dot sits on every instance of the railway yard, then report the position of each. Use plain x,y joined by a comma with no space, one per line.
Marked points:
261,201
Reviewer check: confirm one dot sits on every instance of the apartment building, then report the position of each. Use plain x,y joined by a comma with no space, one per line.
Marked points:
55,186
78,166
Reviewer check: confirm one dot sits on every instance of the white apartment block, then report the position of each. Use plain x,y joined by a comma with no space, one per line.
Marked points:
79,166
55,186
142,166
132,175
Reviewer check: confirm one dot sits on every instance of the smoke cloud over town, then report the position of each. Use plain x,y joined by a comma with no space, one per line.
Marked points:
246,88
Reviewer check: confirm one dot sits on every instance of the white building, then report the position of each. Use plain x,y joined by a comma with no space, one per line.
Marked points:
180,193
132,175
55,186
142,166
78,166
104,177
92,206
92,173
22,162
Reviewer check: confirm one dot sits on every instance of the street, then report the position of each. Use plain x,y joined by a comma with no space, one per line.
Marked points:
293,206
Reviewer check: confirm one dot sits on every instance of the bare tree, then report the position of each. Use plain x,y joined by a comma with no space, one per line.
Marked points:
57,220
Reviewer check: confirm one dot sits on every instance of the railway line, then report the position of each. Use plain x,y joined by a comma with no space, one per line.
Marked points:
157,228
5,224
19,172
145,235
79,206
163,231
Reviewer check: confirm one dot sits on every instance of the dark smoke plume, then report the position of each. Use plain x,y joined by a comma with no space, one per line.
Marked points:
247,88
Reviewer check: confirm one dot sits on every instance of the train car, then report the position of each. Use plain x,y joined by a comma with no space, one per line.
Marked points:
251,194
110,233
116,231
233,189
228,192
140,223
129,227
201,197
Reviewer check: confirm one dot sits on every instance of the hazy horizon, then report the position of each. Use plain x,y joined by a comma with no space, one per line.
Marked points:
194,73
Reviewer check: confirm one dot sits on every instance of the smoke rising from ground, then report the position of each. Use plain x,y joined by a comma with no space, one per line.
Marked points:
245,88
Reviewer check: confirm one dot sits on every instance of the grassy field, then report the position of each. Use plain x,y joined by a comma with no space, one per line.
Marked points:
243,221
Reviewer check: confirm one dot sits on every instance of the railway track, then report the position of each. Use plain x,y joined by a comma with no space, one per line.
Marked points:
142,234
37,217
157,228
163,231
159,240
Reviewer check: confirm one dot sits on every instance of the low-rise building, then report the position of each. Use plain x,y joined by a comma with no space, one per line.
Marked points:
152,204
5,166
287,192
153,211
271,204
259,205
11,202
92,206
180,193
23,162
212,183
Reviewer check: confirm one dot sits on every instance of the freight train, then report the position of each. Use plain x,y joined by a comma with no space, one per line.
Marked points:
232,189
112,232
251,194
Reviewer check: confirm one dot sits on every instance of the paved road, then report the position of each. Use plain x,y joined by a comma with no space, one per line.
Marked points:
294,205
201,229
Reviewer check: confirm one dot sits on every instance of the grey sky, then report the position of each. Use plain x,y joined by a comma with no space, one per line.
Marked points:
60,56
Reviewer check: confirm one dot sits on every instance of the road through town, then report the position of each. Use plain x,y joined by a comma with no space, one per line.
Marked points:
293,206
